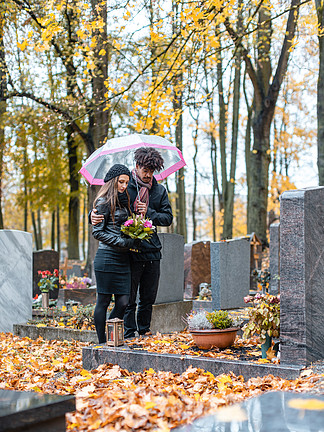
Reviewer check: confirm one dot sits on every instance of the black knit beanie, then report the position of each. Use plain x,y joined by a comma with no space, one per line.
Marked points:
115,171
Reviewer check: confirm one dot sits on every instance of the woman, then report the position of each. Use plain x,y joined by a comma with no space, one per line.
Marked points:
111,263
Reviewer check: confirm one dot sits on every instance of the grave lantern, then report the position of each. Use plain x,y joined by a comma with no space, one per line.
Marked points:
115,332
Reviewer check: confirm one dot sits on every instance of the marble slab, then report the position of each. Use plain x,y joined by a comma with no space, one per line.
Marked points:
230,272
31,411
274,259
15,278
269,412
302,275
171,279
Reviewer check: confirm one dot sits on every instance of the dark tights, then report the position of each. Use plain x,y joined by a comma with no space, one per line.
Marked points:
100,312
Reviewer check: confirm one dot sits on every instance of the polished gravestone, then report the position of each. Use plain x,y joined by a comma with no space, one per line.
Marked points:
16,289
302,275
171,279
37,412
230,272
44,260
270,412
196,267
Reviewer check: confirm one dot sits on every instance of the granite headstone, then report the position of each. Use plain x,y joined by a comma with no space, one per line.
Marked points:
32,411
302,275
230,272
268,412
16,290
44,260
274,259
171,279
196,267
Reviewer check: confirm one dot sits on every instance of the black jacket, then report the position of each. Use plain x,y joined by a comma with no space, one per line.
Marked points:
159,211
108,233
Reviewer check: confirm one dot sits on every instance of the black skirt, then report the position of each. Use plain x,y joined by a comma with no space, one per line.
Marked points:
112,270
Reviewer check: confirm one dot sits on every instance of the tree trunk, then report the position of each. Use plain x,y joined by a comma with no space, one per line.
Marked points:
3,105
58,231
222,127
194,197
180,176
53,230
37,246
39,229
74,200
265,99
320,93
247,146
230,187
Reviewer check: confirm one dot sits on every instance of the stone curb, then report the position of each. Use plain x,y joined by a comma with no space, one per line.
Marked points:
137,361
52,333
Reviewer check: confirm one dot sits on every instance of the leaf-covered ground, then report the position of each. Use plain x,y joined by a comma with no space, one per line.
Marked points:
110,399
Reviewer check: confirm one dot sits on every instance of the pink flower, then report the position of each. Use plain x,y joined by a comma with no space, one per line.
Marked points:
147,224
129,222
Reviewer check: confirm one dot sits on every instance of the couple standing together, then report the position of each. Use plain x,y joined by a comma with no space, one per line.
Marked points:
119,271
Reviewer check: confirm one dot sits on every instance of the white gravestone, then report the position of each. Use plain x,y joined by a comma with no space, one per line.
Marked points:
16,278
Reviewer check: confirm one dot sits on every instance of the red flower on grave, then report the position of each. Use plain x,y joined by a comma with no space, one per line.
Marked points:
56,272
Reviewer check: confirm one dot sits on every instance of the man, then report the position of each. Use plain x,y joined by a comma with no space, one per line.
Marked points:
149,198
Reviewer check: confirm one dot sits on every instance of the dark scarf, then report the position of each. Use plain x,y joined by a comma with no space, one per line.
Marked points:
123,199
143,192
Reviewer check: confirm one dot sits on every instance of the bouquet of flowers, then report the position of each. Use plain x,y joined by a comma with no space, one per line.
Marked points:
48,280
137,227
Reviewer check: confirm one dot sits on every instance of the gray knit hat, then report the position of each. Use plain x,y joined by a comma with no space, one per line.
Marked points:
115,171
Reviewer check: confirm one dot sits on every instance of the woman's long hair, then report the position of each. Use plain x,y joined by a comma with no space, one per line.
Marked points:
109,192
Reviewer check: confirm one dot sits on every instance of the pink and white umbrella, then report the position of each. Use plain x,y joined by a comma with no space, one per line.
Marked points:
121,150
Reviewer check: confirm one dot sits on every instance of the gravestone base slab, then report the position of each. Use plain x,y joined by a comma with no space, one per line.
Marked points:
137,361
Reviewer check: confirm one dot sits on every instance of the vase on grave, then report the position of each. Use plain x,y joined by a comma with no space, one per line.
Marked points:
266,345
45,299
220,338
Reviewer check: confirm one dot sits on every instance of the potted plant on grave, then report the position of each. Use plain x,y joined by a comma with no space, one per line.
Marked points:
264,319
215,328
47,283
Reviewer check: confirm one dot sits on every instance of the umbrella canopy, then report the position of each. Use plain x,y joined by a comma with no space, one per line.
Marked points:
121,150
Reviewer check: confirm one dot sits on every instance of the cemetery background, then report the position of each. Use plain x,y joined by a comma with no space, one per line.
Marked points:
301,336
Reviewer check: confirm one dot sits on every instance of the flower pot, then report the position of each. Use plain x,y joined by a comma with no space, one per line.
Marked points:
45,299
205,339
266,345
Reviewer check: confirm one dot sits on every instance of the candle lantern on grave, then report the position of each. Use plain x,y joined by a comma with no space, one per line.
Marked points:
115,332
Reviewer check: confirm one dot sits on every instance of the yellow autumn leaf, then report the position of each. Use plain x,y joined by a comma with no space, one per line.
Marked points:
150,371
184,346
22,45
86,373
63,308
150,405
102,52
40,325
306,404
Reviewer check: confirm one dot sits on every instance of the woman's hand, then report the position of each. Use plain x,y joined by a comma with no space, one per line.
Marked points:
95,218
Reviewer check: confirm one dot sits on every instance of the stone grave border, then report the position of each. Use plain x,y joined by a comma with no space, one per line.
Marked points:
138,360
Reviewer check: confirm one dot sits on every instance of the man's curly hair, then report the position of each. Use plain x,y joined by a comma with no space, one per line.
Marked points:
149,158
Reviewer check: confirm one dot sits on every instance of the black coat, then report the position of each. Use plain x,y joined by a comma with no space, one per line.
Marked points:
159,211
108,233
